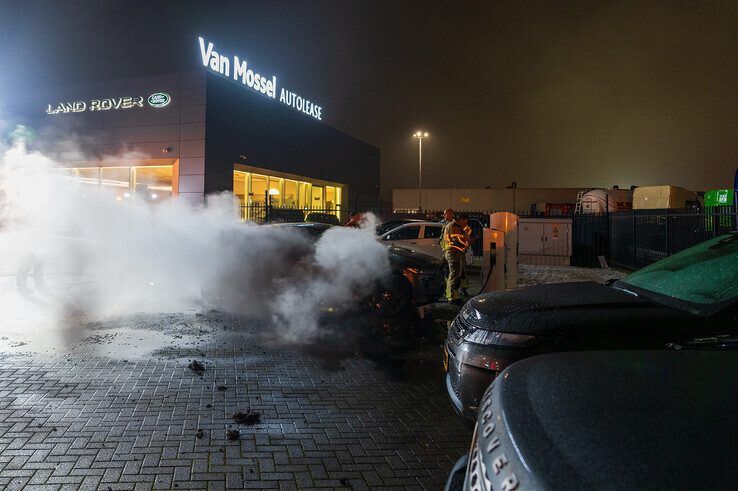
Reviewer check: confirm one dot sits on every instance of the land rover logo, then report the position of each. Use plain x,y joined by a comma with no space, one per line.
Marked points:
159,99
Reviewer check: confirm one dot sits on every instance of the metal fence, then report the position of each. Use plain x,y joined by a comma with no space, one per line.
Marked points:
262,213
628,239
641,237
590,239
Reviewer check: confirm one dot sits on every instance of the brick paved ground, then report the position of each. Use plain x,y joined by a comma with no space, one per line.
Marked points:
354,410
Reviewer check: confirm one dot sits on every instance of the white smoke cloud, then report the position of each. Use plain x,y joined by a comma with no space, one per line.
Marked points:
118,257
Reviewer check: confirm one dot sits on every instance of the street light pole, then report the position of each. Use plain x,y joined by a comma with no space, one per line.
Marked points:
420,135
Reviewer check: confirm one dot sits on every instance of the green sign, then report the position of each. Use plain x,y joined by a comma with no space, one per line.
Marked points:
159,99
719,197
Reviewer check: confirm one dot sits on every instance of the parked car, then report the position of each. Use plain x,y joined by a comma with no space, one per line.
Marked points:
416,278
385,227
424,237
607,420
689,295
279,215
329,218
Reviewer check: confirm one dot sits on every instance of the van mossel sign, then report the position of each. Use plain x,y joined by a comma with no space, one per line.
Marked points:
242,72
158,99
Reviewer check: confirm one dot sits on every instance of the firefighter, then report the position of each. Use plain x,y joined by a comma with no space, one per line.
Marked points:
448,216
455,243
355,219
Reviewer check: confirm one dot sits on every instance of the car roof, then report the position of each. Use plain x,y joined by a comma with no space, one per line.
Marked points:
591,419
414,223
402,220
303,224
418,222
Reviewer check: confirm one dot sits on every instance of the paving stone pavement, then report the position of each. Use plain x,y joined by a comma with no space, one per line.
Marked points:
356,421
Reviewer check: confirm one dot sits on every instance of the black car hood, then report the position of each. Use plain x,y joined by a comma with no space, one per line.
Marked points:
403,257
618,419
538,308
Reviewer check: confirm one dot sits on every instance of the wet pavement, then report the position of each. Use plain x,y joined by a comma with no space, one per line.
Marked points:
112,403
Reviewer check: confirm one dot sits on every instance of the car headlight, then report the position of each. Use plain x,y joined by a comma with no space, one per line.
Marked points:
482,336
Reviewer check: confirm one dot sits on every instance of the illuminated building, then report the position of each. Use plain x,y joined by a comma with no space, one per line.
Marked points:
191,134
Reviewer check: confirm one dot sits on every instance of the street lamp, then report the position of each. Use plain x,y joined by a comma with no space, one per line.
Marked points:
420,135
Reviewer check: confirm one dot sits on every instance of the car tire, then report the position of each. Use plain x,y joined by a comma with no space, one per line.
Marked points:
392,298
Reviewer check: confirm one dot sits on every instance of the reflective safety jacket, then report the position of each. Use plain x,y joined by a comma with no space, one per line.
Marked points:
455,237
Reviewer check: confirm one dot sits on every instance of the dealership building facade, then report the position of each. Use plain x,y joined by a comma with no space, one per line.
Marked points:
187,135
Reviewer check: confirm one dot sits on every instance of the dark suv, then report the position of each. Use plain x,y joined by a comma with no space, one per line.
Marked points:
607,420
689,295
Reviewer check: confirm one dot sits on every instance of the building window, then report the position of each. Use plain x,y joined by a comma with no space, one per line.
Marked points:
275,191
330,198
284,192
87,175
317,201
258,188
290,193
116,180
240,188
153,183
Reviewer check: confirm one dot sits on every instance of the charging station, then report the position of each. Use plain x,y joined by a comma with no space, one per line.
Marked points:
500,252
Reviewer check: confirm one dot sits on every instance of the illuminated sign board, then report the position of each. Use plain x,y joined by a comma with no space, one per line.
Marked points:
238,69
158,99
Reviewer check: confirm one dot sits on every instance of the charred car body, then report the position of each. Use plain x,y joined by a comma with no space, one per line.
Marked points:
607,420
416,278
690,295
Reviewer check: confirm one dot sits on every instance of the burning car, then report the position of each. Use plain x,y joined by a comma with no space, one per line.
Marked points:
689,295
602,420
416,278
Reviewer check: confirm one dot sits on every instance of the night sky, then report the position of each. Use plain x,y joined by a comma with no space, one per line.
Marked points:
549,94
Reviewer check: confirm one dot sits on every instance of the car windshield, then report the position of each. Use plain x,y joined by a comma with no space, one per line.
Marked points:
701,279
385,227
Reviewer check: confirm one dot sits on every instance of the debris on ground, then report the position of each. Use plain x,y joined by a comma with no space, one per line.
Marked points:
196,366
345,482
233,434
199,433
248,418
221,388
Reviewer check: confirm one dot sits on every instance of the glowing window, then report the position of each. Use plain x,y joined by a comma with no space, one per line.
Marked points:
116,180
258,188
317,194
87,175
290,193
153,183
240,184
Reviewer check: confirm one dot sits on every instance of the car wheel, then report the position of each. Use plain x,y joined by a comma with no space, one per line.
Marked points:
391,298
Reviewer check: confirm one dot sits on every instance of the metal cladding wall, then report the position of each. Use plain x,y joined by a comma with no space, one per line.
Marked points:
270,135
135,136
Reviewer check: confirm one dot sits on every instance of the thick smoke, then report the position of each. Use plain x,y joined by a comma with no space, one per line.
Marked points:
118,257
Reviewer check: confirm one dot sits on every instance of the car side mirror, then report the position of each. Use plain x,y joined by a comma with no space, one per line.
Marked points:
387,237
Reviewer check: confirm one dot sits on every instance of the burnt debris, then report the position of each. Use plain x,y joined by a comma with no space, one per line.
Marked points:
196,367
248,418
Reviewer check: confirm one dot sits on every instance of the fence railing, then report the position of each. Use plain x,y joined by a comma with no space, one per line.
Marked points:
641,237
627,239
262,213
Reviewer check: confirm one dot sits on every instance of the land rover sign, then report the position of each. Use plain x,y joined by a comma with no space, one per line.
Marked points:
159,99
